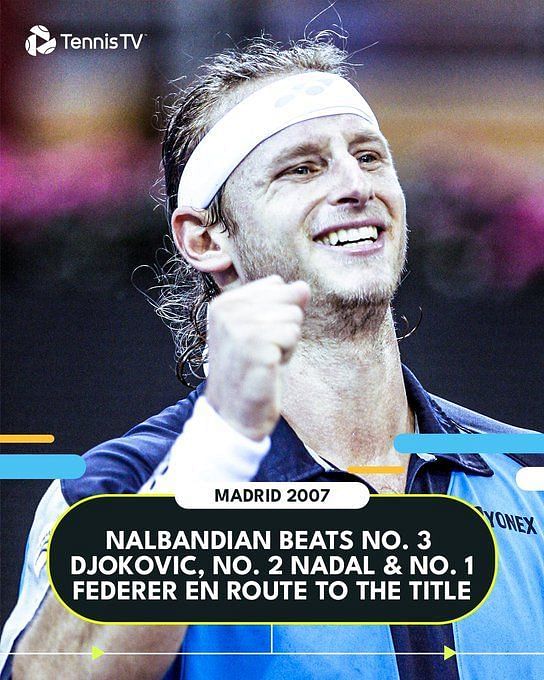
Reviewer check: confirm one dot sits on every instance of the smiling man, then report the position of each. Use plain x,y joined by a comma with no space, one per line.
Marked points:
290,219
307,269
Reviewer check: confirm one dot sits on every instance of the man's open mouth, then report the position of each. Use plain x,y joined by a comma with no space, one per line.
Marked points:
346,237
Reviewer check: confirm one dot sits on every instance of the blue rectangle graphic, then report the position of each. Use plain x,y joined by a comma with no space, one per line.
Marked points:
469,443
41,466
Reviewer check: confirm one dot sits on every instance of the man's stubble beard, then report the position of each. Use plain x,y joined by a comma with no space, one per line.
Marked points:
330,313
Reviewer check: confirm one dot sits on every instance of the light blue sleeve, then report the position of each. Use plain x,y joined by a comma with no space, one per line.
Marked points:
34,583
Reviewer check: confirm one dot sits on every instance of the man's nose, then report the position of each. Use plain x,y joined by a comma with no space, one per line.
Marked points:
350,184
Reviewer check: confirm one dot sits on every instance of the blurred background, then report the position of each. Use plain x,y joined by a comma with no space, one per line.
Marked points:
458,89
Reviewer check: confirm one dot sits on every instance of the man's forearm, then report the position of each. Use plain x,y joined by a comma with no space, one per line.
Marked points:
54,629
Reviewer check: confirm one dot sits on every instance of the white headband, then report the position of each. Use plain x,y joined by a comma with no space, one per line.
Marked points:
260,115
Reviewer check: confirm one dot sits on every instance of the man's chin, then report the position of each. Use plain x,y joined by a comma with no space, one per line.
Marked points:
366,294
347,313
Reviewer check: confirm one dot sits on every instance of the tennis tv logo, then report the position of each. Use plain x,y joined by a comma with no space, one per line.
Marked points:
40,41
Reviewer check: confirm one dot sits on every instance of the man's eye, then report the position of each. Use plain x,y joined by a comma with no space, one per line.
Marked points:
300,170
367,158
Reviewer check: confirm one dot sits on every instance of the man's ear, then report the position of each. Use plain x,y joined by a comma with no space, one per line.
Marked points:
205,248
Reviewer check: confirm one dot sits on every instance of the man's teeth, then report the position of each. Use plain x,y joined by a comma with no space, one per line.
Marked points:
341,236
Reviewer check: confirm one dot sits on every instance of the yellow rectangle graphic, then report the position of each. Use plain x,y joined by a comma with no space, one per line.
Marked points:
27,438
376,469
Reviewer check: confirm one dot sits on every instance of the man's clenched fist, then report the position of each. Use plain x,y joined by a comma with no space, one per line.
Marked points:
252,331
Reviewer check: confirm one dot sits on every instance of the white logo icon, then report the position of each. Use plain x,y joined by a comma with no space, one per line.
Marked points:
47,43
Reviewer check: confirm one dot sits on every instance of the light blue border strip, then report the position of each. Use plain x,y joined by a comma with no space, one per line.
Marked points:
41,466
469,443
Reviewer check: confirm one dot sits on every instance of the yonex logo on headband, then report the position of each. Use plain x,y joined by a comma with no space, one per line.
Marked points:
263,113
304,88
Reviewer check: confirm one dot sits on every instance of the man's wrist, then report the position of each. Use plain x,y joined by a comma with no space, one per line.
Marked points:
236,433
209,451
244,429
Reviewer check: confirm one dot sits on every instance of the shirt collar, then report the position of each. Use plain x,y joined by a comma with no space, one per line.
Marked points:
289,460
433,420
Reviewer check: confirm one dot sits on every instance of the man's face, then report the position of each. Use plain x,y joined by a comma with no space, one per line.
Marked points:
320,201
